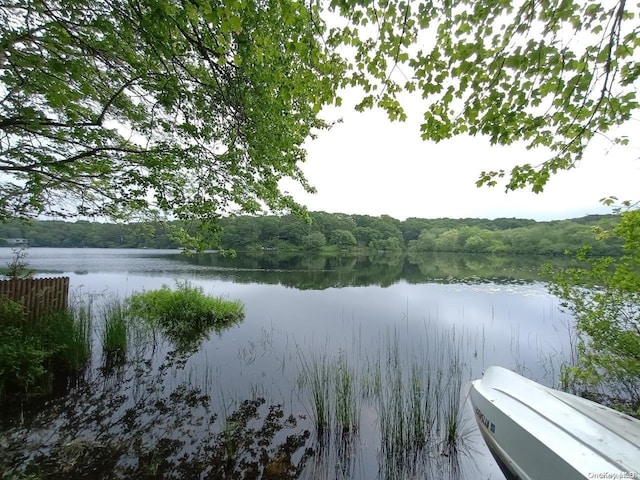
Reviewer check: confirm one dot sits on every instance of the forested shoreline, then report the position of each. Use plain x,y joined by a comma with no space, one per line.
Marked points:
330,232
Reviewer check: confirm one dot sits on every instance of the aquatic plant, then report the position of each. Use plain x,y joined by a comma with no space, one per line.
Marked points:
115,316
371,383
315,380
332,386
419,405
185,315
347,416
414,384
187,302
67,335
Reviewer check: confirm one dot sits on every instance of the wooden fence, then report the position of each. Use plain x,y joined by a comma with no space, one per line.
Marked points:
38,295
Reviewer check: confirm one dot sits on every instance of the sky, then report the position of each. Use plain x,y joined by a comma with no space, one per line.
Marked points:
369,165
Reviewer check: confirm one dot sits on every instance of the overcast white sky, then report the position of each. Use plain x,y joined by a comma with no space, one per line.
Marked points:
368,165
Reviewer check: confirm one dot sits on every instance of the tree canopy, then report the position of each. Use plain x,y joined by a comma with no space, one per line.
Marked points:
355,234
113,107
192,109
550,73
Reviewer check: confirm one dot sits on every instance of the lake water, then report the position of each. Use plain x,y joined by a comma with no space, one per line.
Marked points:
300,312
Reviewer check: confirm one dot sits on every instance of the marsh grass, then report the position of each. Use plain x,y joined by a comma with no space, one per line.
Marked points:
315,381
347,407
116,320
185,315
67,335
186,303
331,387
419,403
415,388
414,385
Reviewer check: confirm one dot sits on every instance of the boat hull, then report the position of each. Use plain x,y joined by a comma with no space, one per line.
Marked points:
535,432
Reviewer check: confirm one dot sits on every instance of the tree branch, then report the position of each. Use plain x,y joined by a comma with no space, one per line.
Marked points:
36,167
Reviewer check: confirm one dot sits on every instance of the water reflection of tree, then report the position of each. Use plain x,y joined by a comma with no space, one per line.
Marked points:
134,422
336,455
315,271
305,271
139,427
475,268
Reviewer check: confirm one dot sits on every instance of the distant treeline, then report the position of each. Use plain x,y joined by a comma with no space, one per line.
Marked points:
328,231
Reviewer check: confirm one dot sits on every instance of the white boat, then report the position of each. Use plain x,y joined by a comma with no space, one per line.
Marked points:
536,432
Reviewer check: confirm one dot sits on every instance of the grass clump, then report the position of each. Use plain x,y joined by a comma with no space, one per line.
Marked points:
187,303
185,314
115,315
332,386
419,406
347,406
315,380
67,335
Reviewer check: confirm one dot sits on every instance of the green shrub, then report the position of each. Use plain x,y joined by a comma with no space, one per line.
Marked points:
31,351
22,359
11,313
603,295
21,355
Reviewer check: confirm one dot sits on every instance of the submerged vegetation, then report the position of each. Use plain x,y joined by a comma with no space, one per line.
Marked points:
115,315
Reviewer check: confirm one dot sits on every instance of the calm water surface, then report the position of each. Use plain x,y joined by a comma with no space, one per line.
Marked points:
490,310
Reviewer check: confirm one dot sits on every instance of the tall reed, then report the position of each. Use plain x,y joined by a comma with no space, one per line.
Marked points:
347,415
115,316
415,384
67,335
315,380
449,425
332,386
419,408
